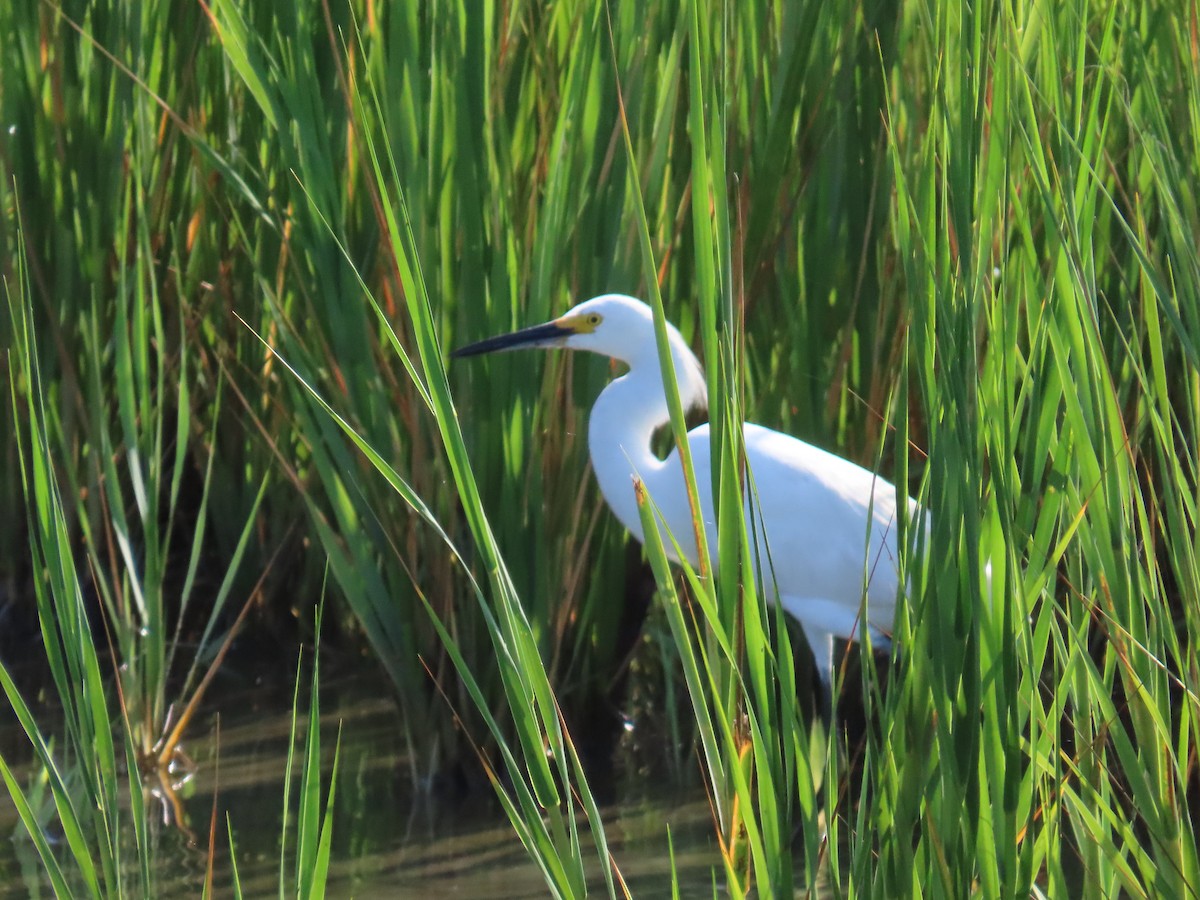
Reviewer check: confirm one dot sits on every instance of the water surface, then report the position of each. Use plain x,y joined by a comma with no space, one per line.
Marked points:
388,840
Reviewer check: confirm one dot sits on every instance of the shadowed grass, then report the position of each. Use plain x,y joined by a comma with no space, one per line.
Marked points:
956,245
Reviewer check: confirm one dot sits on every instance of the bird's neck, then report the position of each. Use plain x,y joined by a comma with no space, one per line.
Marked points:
623,420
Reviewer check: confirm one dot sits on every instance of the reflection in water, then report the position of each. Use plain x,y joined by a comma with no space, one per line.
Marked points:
386,841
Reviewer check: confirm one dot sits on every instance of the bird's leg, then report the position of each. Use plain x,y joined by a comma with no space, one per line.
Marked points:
821,643
826,699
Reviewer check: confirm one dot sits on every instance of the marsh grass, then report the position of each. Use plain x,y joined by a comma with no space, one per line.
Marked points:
956,245
98,776
85,784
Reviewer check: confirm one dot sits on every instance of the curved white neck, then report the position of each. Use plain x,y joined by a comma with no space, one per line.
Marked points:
624,419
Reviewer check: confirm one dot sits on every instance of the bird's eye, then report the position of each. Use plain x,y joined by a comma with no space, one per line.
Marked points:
586,323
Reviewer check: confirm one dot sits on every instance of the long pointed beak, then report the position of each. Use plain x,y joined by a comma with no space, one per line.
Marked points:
535,336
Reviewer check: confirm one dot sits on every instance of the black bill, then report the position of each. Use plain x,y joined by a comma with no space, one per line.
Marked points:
535,336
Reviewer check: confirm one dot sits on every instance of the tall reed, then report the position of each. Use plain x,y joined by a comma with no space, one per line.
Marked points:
955,244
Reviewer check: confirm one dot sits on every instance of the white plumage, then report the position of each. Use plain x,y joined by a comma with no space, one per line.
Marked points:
830,525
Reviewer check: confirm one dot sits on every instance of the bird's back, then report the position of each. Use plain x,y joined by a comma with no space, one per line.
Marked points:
830,525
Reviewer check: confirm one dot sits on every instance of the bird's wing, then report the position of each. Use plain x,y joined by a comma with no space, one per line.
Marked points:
829,524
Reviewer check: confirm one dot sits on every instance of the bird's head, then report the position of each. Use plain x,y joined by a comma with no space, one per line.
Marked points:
612,325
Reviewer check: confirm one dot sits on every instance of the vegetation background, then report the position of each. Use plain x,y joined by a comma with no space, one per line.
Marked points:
957,244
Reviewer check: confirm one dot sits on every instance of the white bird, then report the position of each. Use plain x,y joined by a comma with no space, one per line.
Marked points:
829,525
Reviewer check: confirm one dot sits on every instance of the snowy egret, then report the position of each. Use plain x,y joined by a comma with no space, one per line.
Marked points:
829,525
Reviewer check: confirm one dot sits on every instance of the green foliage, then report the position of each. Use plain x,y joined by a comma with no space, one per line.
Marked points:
314,831
954,243
95,805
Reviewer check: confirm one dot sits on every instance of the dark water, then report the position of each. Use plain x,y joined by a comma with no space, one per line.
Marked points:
388,840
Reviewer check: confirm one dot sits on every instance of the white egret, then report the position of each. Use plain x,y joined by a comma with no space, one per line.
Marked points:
829,525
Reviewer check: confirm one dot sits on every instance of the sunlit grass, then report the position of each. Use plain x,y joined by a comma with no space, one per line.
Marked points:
955,244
